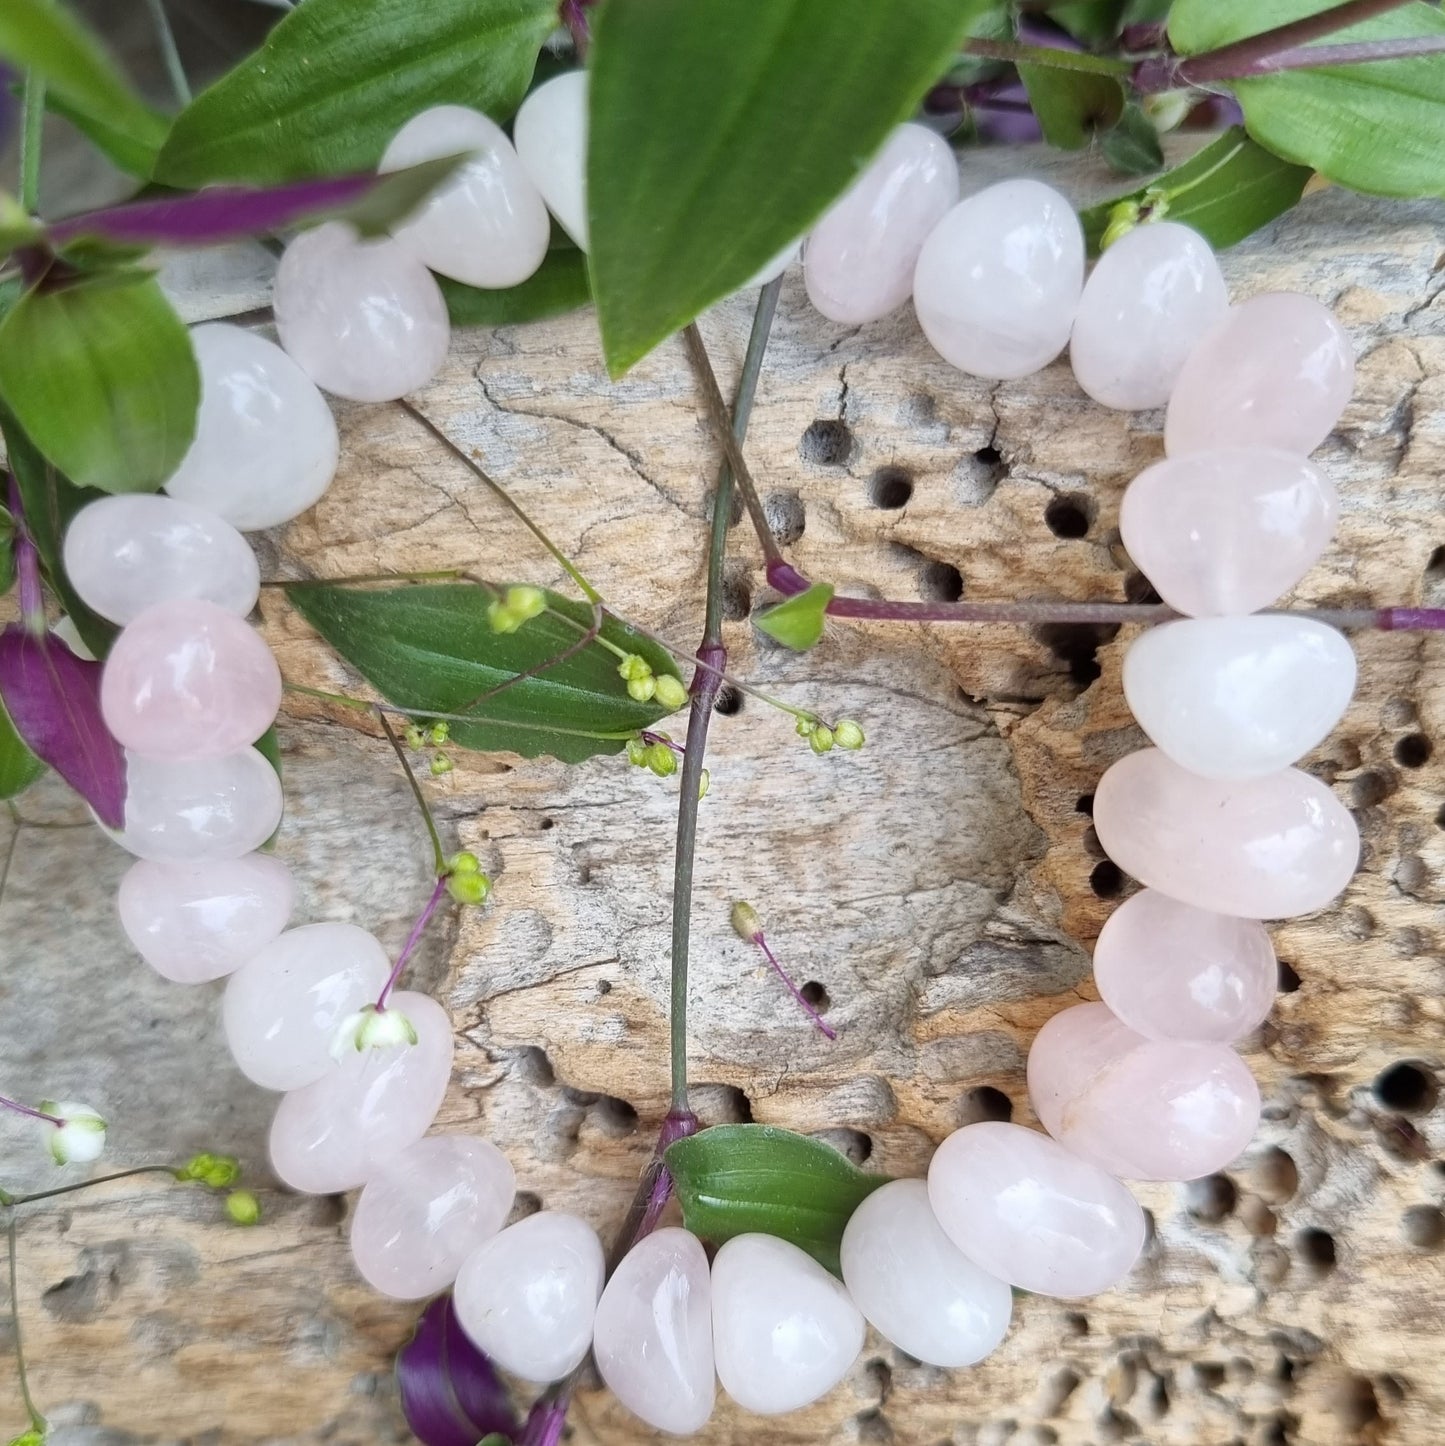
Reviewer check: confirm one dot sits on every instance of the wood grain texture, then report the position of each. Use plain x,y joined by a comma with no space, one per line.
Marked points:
942,887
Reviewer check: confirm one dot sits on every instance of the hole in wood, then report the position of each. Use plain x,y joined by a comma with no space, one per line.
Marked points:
890,487
940,582
1409,1086
1211,1199
786,516
827,443
1316,1248
1413,750
1423,1226
1069,516
1107,880
984,1103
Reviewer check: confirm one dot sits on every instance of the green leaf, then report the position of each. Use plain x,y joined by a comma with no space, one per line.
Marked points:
720,131
103,380
268,745
431,648
336,79
1090,20
737,1179
1225,191
19,767
50,502
798,623
1132,146
560,285
1377,127
81,82
1071,105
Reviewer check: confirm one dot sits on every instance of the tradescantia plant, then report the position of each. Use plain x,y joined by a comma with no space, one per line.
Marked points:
721,131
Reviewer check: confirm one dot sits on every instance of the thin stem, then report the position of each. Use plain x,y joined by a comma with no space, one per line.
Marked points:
438,894
568,566
37,1421
439,857
592,634
32,120
1055,59
97,1180
33,1114
1316,57
165,38
760,940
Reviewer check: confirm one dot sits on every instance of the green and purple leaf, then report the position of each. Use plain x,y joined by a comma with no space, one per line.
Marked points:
451,1394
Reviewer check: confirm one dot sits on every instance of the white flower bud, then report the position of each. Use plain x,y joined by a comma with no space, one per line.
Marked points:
372,1028
80,1136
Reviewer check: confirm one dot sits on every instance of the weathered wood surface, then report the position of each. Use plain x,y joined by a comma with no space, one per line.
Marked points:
942,886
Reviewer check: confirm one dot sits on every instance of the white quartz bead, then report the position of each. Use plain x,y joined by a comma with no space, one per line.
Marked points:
1239,697
196,921
1277,371
1226,532
282,1009
266,446
1025,1209
784,1330
363,319
486,225
998,280
337,1132
426,1209
862,254
653,1335
1261,848
550,133
913,1283
218,808
1150,299
528,1296
123,554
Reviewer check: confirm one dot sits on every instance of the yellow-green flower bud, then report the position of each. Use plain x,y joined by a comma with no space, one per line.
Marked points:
217,1171
704,783
1168,109
671,692
806,726
746,924
633,667
662,760
525,603
1123,218
847,734
820,740
35,1436
415,738
441,730
469,888
500,618
464,863
373,1028
441,765
243,1207
641,690
637,752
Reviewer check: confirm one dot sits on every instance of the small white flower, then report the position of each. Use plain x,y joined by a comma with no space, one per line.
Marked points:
372,1028
79,1138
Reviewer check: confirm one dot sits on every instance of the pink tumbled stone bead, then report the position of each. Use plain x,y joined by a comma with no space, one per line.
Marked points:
219,808
1027,1210
1151,298
1261,848
1145,1109
1171,971
861,256
125,554
426,1209
196,921
653,1336
528,1296
362,319
485,224
339,1131
1277,371
998,280
1223,533
188,681
282,1010
550,134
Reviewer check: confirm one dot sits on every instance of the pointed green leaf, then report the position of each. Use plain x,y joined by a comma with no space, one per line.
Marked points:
40,35
336,79
1132,146
103,380
1225,191
431,648
720,131
268,745
738,1179
1377,127
19,767
560,285
1071,105
798,623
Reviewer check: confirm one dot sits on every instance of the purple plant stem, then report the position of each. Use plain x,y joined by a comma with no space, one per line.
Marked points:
412,940
573,14
648,736
545,1422
792,988
33,1114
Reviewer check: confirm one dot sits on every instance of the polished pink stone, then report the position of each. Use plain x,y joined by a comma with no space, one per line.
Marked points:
1226,532
282,1010
860,257
426,1209
1141,1108
341,1130
1151,297
1261,848
196,921
1277,371
187,680
1171,971
653,1336
1027,1210
550,134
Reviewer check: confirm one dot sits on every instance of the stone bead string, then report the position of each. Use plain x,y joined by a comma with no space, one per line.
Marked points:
1213,819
